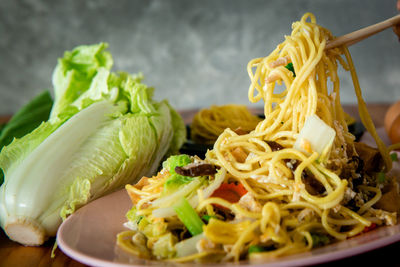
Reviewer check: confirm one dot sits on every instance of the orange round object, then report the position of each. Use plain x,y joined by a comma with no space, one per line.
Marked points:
394,131
391,115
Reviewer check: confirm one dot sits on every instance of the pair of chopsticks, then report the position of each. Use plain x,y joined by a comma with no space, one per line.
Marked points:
357,36
347,39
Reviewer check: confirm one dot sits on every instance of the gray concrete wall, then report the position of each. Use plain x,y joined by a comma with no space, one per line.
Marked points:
194,52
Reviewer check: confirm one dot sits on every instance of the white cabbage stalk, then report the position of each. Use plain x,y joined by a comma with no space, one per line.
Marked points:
104,132
316,136
188,246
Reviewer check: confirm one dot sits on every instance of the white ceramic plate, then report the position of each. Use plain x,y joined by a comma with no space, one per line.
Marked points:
89,236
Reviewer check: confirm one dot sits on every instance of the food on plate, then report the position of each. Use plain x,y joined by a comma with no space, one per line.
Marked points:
297,181
104,131
210,122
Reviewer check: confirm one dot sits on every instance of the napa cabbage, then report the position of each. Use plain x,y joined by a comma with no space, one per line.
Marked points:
104,131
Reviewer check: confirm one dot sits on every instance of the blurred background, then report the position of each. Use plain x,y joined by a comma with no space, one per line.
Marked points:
194,53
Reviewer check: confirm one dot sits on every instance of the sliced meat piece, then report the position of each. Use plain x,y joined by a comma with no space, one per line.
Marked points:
390,200
239,154
196,169
371,157
275,146
240,131
313,186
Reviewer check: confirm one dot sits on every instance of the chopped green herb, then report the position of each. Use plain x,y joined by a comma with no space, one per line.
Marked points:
320,240
255,248
139,219
132,216
207,218
394,157
290,67
381,177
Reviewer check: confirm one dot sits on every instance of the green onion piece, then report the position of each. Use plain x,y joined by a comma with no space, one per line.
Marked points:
208,217
189,217
381,177
290,67
393,157
319,240
255,248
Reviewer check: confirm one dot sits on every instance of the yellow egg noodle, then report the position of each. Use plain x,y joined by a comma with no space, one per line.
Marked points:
295,199
209,123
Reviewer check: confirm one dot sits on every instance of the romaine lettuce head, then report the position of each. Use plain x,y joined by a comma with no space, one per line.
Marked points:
104,131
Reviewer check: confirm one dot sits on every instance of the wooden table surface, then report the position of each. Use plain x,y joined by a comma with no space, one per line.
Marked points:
13,254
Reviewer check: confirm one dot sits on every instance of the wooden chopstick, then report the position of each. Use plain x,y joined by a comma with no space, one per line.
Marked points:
347,39
359,35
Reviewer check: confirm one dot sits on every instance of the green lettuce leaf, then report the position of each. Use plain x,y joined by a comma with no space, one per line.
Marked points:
175,181
176,161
